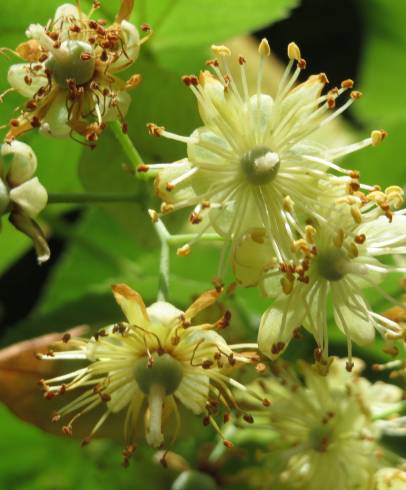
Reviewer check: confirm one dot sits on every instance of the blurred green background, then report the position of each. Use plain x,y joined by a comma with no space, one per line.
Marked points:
94,247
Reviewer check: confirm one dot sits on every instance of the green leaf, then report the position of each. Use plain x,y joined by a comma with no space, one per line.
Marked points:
383,68
181,23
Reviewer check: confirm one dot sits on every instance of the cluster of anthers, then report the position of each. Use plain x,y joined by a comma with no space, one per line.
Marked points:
69,73
151,363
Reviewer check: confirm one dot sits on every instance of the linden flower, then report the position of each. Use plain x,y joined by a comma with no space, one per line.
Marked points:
69,74
391,479
339,259
156,359
22,196
252,163
327,434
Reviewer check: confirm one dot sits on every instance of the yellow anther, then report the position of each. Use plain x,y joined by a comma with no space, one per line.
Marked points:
287,284
264,49
356,214
153,215
184,251
221,50
294,51
310,232
339,238
377,136
288,204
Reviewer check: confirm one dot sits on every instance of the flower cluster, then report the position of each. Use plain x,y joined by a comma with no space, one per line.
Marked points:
151,363
22,196
69,73
329,428
295,220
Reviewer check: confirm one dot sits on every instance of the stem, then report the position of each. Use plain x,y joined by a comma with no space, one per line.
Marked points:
186,237
91,197
130,150
163,235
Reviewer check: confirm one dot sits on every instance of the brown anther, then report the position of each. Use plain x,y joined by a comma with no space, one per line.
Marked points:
248,418
195,218
169,186
348,366
302,64
205,204
218,284
155,130
104,56
323,78
86,441
53,35
206,421
354,174
228,444
331,102
347,84
14,123
67,430
207,364
224,321
266,402
27,80
56,418
75,28
360,239
93,24
241,60
145,27
189,80
212,63
91,40
49,395
143,168
356,94
31,105
57,44
354,185
278,347
105,397
43,58
226,417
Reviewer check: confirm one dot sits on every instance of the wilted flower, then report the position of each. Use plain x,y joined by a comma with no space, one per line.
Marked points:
336,261
252,163
150,364
328,435
22,196
69,73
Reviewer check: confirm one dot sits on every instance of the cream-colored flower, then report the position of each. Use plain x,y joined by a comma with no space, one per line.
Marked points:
253,162
155,359
69,73
22,196
339,258
327,433
391,479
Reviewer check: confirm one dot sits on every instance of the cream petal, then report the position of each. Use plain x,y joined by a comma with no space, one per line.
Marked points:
131,47
27,226
120,108
193,392
121,397
31,197
55,121
390,479
16,78
382,230
162,313
257,111
351,315
131,304
278,323
23,162
182,191
4,198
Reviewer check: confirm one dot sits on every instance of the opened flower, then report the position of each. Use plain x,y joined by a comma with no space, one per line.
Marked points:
69,73
327,427
22,196
335,263
253,163
150,364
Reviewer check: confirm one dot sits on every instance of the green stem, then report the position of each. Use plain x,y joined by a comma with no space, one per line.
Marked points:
164,263
91,197
130,150
186,237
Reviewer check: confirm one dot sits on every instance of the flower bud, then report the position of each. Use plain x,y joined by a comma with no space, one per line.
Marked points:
23,162
194,480
4,198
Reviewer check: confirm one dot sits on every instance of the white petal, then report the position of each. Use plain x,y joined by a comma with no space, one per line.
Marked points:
16,78
193,392
121,105
55,122
351,315
390,479
279,321
162,313
131,47
31,197
23,162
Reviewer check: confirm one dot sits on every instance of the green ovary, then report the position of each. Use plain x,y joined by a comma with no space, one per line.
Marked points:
165,371
260,165
332,264
74,60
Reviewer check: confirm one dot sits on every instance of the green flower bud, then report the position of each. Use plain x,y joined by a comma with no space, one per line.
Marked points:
165,371
194,480
74,60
